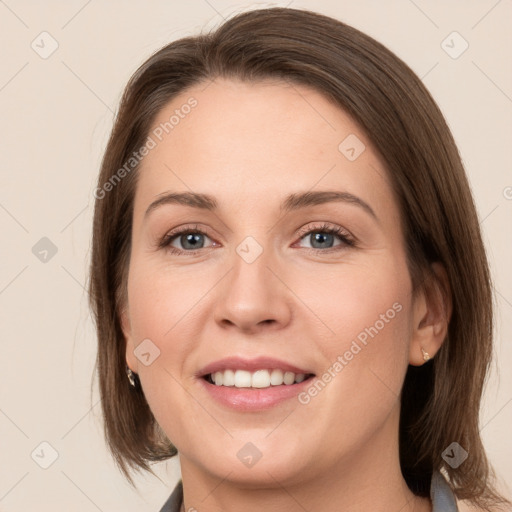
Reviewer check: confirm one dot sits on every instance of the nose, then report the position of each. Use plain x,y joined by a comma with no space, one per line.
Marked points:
253,297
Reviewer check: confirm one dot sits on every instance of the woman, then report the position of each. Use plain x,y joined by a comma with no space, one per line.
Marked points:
288,277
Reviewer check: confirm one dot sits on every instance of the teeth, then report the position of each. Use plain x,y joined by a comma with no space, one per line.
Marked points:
229,378
257,379
242,379
276,377
260,379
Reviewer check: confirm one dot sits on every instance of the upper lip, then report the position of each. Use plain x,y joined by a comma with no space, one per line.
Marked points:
258,363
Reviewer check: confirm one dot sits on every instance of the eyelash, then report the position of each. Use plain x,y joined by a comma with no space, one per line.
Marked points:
342,234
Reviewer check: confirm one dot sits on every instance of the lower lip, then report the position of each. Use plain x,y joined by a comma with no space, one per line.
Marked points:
254,399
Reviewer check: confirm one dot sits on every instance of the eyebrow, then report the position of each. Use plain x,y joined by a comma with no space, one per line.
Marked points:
291,203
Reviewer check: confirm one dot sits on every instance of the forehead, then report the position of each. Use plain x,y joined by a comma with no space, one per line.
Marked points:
259,140
269,115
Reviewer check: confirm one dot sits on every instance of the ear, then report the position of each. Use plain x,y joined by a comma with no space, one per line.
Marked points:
432,309
131,360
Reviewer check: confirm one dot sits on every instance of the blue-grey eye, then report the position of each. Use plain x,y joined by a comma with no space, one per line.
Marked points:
326,237
192,241
321,240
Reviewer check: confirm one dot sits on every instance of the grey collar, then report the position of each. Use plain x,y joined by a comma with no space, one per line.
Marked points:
443,499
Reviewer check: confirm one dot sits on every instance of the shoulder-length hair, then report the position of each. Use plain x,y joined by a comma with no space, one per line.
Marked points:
440,401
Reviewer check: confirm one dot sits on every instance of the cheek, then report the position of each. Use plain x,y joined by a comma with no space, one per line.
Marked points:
164,308
367,356
163,301
366,304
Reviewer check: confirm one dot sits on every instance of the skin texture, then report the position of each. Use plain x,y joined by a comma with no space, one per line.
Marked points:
250,146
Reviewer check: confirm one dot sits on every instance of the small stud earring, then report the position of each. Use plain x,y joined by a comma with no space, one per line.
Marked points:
131,376
426,356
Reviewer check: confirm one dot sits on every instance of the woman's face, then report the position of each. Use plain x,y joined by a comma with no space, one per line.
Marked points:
276,273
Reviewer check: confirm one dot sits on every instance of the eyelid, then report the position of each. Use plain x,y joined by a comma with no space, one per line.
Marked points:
321,226
345,236
165,242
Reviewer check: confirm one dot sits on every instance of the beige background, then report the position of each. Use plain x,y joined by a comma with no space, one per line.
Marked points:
56,116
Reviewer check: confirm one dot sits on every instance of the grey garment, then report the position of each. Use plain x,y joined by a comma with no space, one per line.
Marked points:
443,499
441,494
173,504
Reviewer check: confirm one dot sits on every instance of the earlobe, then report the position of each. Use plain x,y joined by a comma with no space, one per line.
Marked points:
432,310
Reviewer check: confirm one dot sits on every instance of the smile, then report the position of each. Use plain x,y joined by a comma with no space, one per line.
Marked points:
258,379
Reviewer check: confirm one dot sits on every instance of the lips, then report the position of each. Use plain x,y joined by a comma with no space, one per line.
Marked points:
254,384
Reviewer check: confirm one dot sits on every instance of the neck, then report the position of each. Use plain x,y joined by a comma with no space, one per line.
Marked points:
369,479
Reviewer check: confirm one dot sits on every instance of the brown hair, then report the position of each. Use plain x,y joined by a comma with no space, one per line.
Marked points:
441,399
